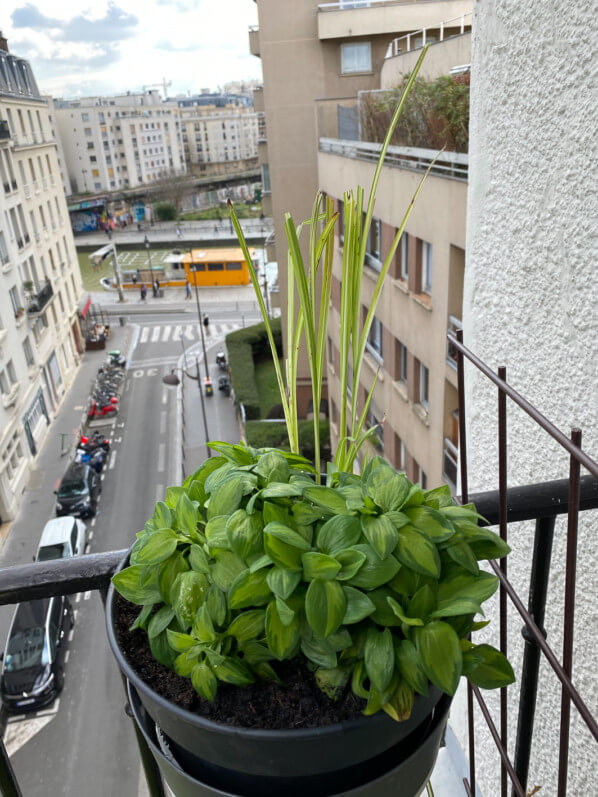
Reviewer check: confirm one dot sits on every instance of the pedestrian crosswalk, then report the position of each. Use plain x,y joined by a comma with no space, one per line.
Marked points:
163,333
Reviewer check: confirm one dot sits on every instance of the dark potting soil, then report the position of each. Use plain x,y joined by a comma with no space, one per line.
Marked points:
297,703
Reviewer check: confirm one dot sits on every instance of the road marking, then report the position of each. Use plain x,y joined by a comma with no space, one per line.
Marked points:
103,476
139,372
90,535
118,439
77,597
93,522
161,457
75,613
162,421
71,635
67,656
20,730
159,492
144,335
156,334
87,547
164,395
189,332
87,595
178,333
112,460
166,335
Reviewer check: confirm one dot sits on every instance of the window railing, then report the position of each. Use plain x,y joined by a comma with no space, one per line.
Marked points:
456,26
450,464
454,165
350,5
38,301
454,325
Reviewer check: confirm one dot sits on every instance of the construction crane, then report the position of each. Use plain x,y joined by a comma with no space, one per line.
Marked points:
163,85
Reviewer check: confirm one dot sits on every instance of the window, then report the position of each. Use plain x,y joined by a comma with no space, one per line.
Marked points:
424,385
426,267
87,131
356,58
95,172
375,419
374,343
14,299
12,374
215,266
234,266
400,454
28,352
85,117
373,245
401,362
90,145
266,178
404,273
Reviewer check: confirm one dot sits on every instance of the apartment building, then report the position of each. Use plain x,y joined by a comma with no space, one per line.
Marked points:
316,58
40,278
111,143
220,140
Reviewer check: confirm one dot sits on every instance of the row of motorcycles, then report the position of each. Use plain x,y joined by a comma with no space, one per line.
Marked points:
104,395
223,381
92,451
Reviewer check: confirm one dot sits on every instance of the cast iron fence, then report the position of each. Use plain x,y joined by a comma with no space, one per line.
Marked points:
541,502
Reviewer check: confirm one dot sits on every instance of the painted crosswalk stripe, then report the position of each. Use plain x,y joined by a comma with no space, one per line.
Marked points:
144,335
166,335
177,332
156,334
189,332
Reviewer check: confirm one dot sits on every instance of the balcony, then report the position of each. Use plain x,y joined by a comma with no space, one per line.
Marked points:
38,301
454,325
453,165
4,131
27,190
450,464
436,33
262,135
8,399
254,40
377,17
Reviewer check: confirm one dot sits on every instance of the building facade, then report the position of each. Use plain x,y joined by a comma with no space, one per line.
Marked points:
220,140
111,143
41,282
315,57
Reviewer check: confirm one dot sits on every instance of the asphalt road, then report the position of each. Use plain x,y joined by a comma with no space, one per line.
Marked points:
84,744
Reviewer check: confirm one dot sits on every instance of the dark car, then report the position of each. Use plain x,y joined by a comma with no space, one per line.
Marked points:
33,662
77,494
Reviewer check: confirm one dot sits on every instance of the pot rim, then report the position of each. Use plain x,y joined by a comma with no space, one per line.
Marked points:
190,717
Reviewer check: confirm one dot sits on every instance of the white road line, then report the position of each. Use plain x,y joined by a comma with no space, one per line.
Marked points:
156,334
75,613
87,595
90,535
19,733
67,656
166,335
77,597
93,522
103,476
159,492
164,395
112,460
71,635
87,547
144,335
176,335
161,457
189,332
162,421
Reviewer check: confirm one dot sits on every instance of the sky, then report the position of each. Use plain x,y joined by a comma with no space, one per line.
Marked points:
114,46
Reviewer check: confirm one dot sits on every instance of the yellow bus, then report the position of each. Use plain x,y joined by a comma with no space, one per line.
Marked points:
217,267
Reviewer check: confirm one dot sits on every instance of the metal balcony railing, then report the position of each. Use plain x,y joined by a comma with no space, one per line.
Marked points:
454,325
456,26
39,301
541,502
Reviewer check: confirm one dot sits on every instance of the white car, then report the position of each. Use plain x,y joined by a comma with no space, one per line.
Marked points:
62,537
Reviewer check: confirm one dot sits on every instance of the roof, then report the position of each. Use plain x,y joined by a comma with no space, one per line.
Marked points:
56,531
76,471
229,255
16,78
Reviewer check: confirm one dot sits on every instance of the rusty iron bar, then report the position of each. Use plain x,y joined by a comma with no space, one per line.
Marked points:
584,711
569,618
538,588
464,500
468,791
581,456
496,736
502,511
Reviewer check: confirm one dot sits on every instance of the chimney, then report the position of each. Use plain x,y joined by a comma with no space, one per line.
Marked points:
3,42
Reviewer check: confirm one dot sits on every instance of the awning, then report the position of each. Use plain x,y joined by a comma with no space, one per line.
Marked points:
86,307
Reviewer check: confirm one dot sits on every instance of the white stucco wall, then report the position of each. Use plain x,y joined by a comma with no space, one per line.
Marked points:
531,303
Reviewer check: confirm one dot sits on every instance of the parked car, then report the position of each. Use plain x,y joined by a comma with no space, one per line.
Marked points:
78,491
62,537
33,661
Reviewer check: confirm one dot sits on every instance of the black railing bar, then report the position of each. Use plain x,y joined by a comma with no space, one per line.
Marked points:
547,650
496,736
9,785
532,501
465,498
569,612
561,438
58,577
502,521
538,588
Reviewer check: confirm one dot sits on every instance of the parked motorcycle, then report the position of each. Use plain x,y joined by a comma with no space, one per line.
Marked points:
221,360
94,459
116,358
224,385
207,383
100,410
94,442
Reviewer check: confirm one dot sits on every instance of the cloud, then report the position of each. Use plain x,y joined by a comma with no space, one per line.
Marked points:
115,24
180,5
173,48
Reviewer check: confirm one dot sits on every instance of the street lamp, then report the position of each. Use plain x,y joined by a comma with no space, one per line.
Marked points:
199,318
149,255
172,380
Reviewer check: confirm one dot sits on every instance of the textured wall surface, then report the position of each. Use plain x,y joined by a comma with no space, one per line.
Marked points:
531,304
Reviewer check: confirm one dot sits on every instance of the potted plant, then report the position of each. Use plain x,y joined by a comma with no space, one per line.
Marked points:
296,635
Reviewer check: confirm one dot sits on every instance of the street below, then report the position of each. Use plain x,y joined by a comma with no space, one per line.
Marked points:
84,743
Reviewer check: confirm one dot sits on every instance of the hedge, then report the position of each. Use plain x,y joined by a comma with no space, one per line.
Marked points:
267,434
166,211
244,347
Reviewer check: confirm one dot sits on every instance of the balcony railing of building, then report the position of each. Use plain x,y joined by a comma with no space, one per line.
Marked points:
456,26
350,5
454,325
448,164
450,464
541,502
38,300
261,127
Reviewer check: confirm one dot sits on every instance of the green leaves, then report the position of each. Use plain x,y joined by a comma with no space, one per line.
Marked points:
379,658
418,553
328,499
319,565
337,533
487,667
325,605
440,652
137,584
284,546
244,533
156,547
380,533
249,589
283,638
374,571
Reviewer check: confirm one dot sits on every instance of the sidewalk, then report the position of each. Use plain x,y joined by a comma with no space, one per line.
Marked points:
38,501
235,297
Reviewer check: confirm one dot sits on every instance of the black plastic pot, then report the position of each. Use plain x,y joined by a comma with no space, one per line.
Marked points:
322,761
406,778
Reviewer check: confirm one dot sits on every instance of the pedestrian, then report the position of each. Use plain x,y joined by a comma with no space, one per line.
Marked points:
134,278
157,287
187,290
154,290
138,226
206,323
179,234
146,241
143,290
215,229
